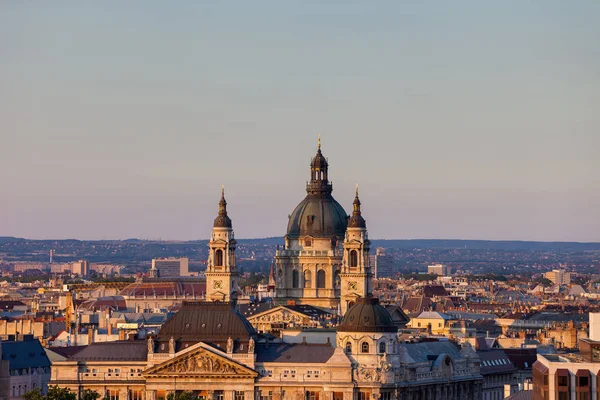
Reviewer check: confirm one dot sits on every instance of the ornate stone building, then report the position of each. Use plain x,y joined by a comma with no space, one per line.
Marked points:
321,242
211,350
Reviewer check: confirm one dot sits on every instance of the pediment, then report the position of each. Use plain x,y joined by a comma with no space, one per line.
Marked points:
201,361
277,314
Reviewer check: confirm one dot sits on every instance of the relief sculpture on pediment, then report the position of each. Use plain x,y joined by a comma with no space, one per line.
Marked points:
201,363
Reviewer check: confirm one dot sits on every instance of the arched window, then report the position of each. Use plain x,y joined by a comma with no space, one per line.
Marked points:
295,279
307,279
348,347
353,258
218,258
382,347
321,279
364,347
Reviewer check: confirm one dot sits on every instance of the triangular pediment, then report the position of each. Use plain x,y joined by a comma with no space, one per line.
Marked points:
199,360
277,314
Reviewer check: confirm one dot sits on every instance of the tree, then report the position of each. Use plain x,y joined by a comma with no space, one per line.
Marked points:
35,394
56,393
88,394
182,396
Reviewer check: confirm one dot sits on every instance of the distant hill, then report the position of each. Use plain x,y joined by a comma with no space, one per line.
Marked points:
498,245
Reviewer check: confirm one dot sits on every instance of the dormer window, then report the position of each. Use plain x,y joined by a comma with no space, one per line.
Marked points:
364,347
308,242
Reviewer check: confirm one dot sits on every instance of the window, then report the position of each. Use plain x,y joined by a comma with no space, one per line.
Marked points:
136,395
563,395
307,242
439,325
312,395
583,381
418,324
362,396
382,347
112,394
364,347
295,279
264,395
321,279
239,395
353,259
563,380
218,258
348,347
307,279
218,395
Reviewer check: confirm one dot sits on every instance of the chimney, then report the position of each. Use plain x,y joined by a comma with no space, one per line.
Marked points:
303,339
90,333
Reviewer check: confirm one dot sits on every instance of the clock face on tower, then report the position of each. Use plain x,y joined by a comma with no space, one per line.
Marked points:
352,285
218,284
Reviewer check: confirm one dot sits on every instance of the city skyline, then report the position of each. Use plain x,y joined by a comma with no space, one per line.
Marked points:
468,121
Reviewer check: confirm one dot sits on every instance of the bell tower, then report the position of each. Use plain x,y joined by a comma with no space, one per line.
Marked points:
221,271
356,273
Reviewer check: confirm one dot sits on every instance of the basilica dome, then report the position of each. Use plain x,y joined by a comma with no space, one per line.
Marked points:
319,215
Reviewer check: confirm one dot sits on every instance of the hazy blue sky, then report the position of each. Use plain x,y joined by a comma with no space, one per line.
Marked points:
459,119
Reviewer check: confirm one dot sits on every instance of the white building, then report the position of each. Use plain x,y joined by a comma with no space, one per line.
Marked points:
558,276
438,269
169,267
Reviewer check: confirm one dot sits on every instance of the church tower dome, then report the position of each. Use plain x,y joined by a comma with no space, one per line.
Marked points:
319,215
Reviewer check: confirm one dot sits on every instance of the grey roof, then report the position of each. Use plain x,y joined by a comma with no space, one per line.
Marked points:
522,395
250,309
206,321
428,351
121,350
67,351
294,353
434,314
143,318
24,354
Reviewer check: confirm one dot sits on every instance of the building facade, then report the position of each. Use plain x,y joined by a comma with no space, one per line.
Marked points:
169,267
211,350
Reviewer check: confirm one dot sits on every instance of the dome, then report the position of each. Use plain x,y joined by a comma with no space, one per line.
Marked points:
222,220
319,161
367,315
319,217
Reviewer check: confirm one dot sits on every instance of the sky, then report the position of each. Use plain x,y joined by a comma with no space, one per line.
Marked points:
458,119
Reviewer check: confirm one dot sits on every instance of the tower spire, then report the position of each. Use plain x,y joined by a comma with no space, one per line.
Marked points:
223,219
357,220
319,142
